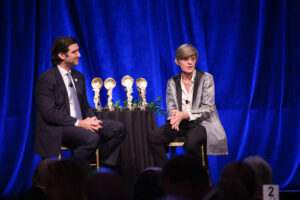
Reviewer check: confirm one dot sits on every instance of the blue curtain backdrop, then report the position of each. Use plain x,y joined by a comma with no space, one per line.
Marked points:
251,47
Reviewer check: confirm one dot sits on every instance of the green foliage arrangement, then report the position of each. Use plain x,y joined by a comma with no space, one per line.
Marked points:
153,105
156,106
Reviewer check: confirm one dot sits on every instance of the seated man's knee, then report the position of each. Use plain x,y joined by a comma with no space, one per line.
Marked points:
93,141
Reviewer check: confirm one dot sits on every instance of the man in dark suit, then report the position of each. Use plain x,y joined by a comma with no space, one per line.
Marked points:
64,116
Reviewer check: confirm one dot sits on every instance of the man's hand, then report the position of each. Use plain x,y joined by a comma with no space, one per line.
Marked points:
95,118
92,124
176,118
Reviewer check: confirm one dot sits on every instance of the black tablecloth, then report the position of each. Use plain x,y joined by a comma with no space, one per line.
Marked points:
135,153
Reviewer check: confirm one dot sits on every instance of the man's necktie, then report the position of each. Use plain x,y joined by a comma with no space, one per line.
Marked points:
74,97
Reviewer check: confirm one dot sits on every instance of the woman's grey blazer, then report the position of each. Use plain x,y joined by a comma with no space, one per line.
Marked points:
203,107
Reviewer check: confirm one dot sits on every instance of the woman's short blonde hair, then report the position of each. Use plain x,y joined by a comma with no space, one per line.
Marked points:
186,50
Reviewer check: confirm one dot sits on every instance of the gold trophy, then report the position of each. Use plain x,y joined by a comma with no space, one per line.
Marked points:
141,84
109,84
97,85
127,82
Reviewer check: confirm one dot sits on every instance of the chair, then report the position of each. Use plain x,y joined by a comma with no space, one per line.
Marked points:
179,141
64,148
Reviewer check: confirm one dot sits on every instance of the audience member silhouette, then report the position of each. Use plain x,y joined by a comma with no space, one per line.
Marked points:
36,192
263,173
39,180
108,186
148,185
237,182
65,178
184,177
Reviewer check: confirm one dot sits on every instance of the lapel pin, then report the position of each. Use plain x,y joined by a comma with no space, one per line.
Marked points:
75,79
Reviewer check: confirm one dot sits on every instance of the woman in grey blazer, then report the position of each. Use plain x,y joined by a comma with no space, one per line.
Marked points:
191,111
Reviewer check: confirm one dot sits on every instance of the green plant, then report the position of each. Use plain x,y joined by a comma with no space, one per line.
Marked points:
156,106
134,103
153,105
118,105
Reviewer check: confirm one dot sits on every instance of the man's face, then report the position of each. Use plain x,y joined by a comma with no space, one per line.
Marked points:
187,65
70,59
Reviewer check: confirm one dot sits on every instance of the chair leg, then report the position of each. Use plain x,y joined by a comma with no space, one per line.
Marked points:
203,154
59,154
205,163
173,150
97,159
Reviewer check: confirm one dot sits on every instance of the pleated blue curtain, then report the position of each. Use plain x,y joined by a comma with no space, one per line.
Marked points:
251,48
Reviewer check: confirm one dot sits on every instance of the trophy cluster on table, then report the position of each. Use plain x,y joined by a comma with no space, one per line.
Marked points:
127,82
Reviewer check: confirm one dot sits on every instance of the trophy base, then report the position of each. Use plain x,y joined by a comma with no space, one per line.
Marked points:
106,109
133,108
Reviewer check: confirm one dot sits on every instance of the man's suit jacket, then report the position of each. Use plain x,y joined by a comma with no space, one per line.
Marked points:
203,107
53,109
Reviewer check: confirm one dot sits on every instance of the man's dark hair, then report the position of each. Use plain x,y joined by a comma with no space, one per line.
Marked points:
61,45
67,178
237,182
184,176
186,168
148,186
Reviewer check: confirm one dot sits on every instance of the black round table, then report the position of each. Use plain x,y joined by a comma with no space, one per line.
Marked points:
135,154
